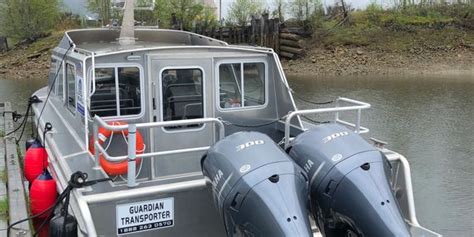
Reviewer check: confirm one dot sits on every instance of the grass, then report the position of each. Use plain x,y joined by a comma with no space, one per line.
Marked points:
4,175
20,156
2,133
397,41
394,18
399,29
20,53
4,208
50,41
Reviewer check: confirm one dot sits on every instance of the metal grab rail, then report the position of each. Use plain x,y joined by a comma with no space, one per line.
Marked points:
401,179
132,152
357,106
408,187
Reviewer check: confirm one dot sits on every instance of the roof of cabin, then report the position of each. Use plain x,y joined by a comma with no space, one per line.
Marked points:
105,40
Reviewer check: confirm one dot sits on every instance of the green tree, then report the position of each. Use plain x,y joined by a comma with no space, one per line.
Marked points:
103,8
241,11
303,9
187,12
144,12
207,18
280,7
317,16
28,19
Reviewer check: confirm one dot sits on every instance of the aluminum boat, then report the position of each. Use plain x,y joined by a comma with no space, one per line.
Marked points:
195,137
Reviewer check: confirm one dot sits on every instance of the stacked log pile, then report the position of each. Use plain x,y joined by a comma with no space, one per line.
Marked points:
288,42
291,45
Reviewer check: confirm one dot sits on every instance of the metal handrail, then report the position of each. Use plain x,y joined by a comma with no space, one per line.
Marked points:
131,137
357,106
407,187
392,156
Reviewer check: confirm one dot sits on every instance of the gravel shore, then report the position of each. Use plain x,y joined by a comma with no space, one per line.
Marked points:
363,61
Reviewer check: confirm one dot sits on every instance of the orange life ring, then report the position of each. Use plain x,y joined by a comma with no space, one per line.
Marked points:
116,168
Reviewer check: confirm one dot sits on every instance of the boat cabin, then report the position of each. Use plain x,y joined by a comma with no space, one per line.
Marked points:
166,76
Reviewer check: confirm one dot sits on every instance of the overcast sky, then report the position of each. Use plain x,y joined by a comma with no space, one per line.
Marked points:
78,6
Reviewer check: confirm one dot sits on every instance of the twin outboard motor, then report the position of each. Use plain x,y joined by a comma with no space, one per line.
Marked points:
350,194
257,188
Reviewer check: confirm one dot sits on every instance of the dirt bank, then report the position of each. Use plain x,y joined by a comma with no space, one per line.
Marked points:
387,52
363,61
29,60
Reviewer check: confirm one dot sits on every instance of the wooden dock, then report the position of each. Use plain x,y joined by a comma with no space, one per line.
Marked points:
11,178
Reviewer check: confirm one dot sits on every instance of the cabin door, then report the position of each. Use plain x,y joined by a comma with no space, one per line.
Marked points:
183,90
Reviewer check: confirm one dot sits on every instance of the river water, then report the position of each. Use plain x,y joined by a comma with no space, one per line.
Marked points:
428,119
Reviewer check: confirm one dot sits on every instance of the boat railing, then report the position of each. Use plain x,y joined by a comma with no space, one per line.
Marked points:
131,137
401,184
353,105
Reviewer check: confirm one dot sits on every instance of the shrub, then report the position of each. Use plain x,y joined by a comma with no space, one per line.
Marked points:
28,19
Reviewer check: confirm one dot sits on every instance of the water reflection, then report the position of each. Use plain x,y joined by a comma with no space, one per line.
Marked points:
18,91
430,121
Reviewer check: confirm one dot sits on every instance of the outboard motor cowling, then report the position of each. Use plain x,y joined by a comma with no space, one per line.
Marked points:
257,188
350,194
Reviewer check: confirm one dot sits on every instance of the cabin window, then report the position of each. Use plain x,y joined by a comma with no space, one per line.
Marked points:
129,88
118,92
53,68
71,87
60,82
182,94
54,80
241,88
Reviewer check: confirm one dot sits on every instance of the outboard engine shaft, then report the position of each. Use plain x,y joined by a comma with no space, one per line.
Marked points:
256,187
350,193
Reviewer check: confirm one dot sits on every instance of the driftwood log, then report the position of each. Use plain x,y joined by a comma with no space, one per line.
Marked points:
38,53
292,43
289,36
291,50
297,30
287,55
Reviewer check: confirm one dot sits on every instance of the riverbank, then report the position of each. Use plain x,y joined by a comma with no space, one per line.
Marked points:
29,61
423,51
413,39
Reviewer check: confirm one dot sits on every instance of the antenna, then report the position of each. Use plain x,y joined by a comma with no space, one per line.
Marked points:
127,34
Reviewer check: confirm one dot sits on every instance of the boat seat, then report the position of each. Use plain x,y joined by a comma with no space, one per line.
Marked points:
192,111
227,91
104,101
182,97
